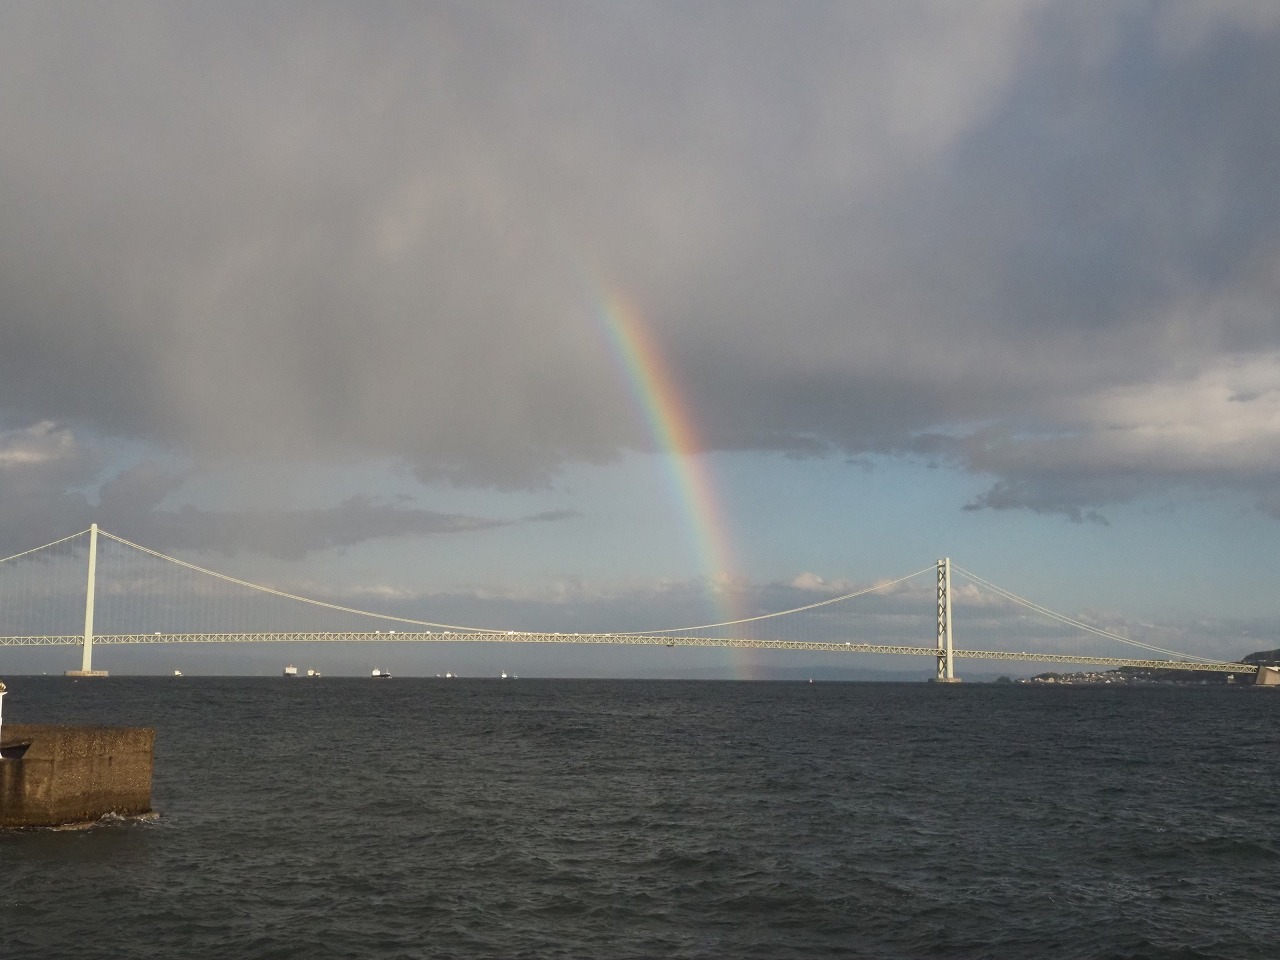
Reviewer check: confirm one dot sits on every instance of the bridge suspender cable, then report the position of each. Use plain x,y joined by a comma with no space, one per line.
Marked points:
292,596
977,580
779,613
1070,621
449,626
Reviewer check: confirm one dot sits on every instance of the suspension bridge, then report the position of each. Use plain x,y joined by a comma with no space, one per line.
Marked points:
125,591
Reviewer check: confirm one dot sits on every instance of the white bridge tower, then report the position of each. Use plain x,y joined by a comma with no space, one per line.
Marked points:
946,657
91,588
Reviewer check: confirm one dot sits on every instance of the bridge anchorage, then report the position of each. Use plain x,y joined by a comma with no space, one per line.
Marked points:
138,598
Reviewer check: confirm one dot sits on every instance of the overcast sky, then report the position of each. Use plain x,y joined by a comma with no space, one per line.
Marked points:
320,294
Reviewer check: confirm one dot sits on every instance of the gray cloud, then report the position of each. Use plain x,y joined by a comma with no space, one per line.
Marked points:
292,534
45,468
43,471
1003,236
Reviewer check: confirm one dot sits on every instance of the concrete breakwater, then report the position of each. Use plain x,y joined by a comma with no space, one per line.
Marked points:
53,775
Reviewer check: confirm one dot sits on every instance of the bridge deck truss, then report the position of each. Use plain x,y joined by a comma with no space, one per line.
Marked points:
624,639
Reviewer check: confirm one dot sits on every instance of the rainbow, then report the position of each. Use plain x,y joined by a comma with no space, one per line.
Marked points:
669,419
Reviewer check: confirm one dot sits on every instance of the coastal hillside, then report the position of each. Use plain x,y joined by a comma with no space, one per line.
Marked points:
1265,658
1139,675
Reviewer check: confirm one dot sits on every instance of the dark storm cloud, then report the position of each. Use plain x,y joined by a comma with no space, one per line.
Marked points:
46,469
292,535
1068,296
133,501
43,471
1005,235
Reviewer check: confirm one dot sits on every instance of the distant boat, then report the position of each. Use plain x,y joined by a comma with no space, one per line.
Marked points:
177,673
291,671
380,674
449,675
504,674
313,673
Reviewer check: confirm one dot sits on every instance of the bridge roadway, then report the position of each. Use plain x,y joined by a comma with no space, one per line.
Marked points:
658,640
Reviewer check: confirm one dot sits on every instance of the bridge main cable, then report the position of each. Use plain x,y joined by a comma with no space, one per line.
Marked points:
1079,624
882,585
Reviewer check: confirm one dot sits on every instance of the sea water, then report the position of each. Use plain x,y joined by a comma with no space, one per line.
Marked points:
406,818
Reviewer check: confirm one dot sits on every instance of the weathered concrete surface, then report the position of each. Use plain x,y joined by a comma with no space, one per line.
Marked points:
73,774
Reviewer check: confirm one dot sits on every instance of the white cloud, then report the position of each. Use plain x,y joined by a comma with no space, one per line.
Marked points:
37,445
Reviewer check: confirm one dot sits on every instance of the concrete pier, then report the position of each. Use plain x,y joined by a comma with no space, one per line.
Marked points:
59,775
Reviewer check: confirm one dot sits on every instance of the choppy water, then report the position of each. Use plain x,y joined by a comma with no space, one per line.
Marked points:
453,818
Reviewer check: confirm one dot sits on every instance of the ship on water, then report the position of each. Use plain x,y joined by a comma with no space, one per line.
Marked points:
291,671
380,674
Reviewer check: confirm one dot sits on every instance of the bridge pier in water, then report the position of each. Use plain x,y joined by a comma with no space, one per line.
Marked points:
946,652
